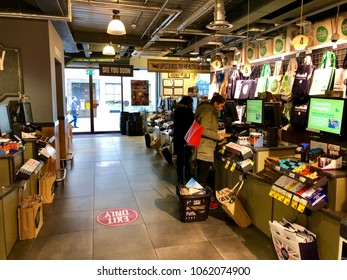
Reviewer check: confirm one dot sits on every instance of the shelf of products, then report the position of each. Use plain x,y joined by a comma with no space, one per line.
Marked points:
299,186
236,157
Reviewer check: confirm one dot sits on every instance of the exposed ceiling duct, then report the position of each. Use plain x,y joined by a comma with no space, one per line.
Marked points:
219,22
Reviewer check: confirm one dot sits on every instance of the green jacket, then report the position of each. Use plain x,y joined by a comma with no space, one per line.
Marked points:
207,115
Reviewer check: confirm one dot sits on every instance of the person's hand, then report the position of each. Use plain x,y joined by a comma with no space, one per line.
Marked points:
220,137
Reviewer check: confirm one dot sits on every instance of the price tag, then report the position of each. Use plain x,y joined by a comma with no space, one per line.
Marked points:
277,168
302,205
292,175
276,195
232,168
272,191
287,198
295,201
227,164
302,179
282,195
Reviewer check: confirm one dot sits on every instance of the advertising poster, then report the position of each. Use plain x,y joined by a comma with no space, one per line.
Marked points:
139,93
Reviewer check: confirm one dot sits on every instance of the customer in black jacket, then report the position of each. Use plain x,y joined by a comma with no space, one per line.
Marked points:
183,119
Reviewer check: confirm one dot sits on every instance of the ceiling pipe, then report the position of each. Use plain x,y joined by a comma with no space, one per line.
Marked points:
239,41
120,6
198,13
155,18
163,25
204,33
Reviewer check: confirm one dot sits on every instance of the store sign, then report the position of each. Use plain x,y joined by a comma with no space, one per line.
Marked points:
117,217
169,66
116,70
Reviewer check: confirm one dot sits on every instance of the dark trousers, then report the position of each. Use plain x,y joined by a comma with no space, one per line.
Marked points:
183,164
203,171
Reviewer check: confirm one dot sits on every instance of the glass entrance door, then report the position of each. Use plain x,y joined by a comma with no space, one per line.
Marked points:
108,97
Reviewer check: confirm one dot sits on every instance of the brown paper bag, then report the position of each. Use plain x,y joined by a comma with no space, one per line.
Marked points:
30,217
232,206
46,186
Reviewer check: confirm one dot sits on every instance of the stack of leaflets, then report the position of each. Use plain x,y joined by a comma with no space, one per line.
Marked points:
194,188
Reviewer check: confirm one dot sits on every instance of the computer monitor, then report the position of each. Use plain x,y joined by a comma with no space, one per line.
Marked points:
13,110
230,111
26,113
159,105
327,115
272,115
255,111
5,122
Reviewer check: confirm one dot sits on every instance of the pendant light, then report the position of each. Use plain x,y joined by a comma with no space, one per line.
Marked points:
335,36
116,26
108,50
301,41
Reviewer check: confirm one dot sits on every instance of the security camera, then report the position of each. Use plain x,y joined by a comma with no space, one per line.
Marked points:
117,57
335,37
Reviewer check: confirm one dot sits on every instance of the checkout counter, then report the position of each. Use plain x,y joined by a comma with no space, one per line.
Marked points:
262,208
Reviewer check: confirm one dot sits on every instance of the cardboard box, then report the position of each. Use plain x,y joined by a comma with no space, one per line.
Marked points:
342,26
322,32
251,53
279,44
228,59
266,48
326,163
30,217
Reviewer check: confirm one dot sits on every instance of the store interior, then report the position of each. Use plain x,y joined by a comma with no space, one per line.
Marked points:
285,119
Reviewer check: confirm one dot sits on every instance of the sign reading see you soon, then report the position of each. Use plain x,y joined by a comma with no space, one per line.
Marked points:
116,70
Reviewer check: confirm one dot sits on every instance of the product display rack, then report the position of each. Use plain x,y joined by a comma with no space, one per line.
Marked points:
297,199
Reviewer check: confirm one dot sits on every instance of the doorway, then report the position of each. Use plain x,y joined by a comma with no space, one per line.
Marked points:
107,96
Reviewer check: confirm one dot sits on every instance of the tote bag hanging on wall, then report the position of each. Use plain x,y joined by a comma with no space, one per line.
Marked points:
274,81
247,89
288,80
263,79
323,78
302,81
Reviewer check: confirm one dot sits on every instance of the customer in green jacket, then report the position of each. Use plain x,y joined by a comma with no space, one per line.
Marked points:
207,115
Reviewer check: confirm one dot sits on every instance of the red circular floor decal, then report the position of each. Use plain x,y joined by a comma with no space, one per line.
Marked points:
117,217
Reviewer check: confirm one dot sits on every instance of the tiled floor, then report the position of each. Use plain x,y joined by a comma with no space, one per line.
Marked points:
114,171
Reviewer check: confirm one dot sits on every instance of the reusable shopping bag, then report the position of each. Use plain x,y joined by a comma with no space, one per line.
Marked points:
323,78
274,81
288,80
247,89
234,76
238,88
193,134
232,205
263,79
302,82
